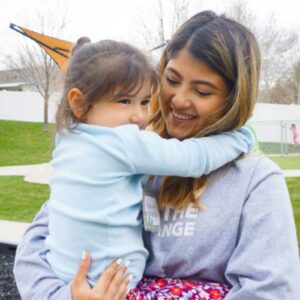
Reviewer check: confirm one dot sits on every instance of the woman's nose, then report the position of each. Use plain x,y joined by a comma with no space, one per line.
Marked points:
181,99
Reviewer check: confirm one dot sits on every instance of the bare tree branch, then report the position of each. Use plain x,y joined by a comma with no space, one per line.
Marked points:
33,64
156,26
276,45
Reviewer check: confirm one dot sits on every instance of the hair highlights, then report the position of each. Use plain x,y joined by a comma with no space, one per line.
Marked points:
231,50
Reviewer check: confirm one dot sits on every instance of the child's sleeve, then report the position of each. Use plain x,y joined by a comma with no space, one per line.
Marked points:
148,153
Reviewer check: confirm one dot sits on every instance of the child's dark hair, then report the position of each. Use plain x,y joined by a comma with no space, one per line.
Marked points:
101,70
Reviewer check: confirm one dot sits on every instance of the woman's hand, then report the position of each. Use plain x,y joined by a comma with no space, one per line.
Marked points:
112,285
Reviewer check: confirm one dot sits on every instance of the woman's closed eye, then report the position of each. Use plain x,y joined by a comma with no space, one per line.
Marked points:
171,80
202,93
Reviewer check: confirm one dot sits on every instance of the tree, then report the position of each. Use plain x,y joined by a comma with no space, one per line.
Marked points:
157,25
295,80
276,45
32,63
240,12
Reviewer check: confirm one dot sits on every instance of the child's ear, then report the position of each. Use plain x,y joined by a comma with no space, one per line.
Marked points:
77,102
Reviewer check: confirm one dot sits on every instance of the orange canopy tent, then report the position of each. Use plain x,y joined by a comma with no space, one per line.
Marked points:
59,50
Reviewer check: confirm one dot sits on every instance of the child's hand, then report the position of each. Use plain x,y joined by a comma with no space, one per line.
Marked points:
112,285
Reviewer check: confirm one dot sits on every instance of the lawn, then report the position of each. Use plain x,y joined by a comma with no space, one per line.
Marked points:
24,143
294,191
287,162
20,200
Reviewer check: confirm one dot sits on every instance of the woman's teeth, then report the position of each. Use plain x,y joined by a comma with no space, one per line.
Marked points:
182,116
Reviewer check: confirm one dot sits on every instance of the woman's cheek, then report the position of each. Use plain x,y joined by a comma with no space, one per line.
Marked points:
163,100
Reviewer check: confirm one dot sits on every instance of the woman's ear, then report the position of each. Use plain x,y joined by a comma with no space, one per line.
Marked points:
77,102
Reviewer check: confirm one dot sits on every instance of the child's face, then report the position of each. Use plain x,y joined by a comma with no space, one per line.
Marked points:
123,110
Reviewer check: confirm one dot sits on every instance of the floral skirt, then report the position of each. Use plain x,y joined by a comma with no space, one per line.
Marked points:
168,289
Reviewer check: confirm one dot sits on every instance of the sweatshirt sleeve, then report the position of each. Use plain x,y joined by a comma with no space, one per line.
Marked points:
265,263
148,153
34,277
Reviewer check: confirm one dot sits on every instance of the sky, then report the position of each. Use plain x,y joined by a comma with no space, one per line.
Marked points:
119,19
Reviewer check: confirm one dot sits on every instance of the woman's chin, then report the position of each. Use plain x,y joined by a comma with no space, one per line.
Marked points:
181,130
177,132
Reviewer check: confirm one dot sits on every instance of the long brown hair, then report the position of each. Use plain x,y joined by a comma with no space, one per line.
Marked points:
231,50
99,70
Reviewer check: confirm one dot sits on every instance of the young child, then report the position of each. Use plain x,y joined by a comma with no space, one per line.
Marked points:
102,152
293,128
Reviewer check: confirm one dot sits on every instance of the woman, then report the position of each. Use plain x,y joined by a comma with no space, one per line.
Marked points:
243,235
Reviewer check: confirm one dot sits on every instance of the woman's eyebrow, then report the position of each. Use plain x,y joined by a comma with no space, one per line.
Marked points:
205,82
174,71
208,83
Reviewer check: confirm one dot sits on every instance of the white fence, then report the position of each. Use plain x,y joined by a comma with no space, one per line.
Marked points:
26,106
276,137
271,122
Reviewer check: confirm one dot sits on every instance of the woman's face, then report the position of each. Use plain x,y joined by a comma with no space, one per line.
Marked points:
192,95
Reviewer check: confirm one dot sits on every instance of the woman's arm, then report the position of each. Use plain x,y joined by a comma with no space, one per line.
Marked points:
265,263
36,280
34,277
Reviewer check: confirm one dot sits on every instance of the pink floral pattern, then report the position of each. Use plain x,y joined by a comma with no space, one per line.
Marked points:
168,289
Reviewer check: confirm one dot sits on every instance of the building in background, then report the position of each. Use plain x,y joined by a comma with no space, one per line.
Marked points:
11,80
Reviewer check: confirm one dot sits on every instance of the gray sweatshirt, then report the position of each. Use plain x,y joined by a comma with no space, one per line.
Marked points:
245,237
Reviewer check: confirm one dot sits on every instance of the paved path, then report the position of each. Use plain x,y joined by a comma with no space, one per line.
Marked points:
11,232
39,173
291,173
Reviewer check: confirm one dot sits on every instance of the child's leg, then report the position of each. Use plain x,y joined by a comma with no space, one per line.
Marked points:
294,141
168,289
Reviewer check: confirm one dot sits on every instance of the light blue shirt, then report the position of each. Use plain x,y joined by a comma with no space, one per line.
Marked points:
96,190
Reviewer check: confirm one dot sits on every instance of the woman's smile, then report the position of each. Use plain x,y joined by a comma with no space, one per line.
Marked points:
177,115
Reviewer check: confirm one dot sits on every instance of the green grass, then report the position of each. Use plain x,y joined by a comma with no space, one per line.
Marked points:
20,200
23,143
294,191
287,162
